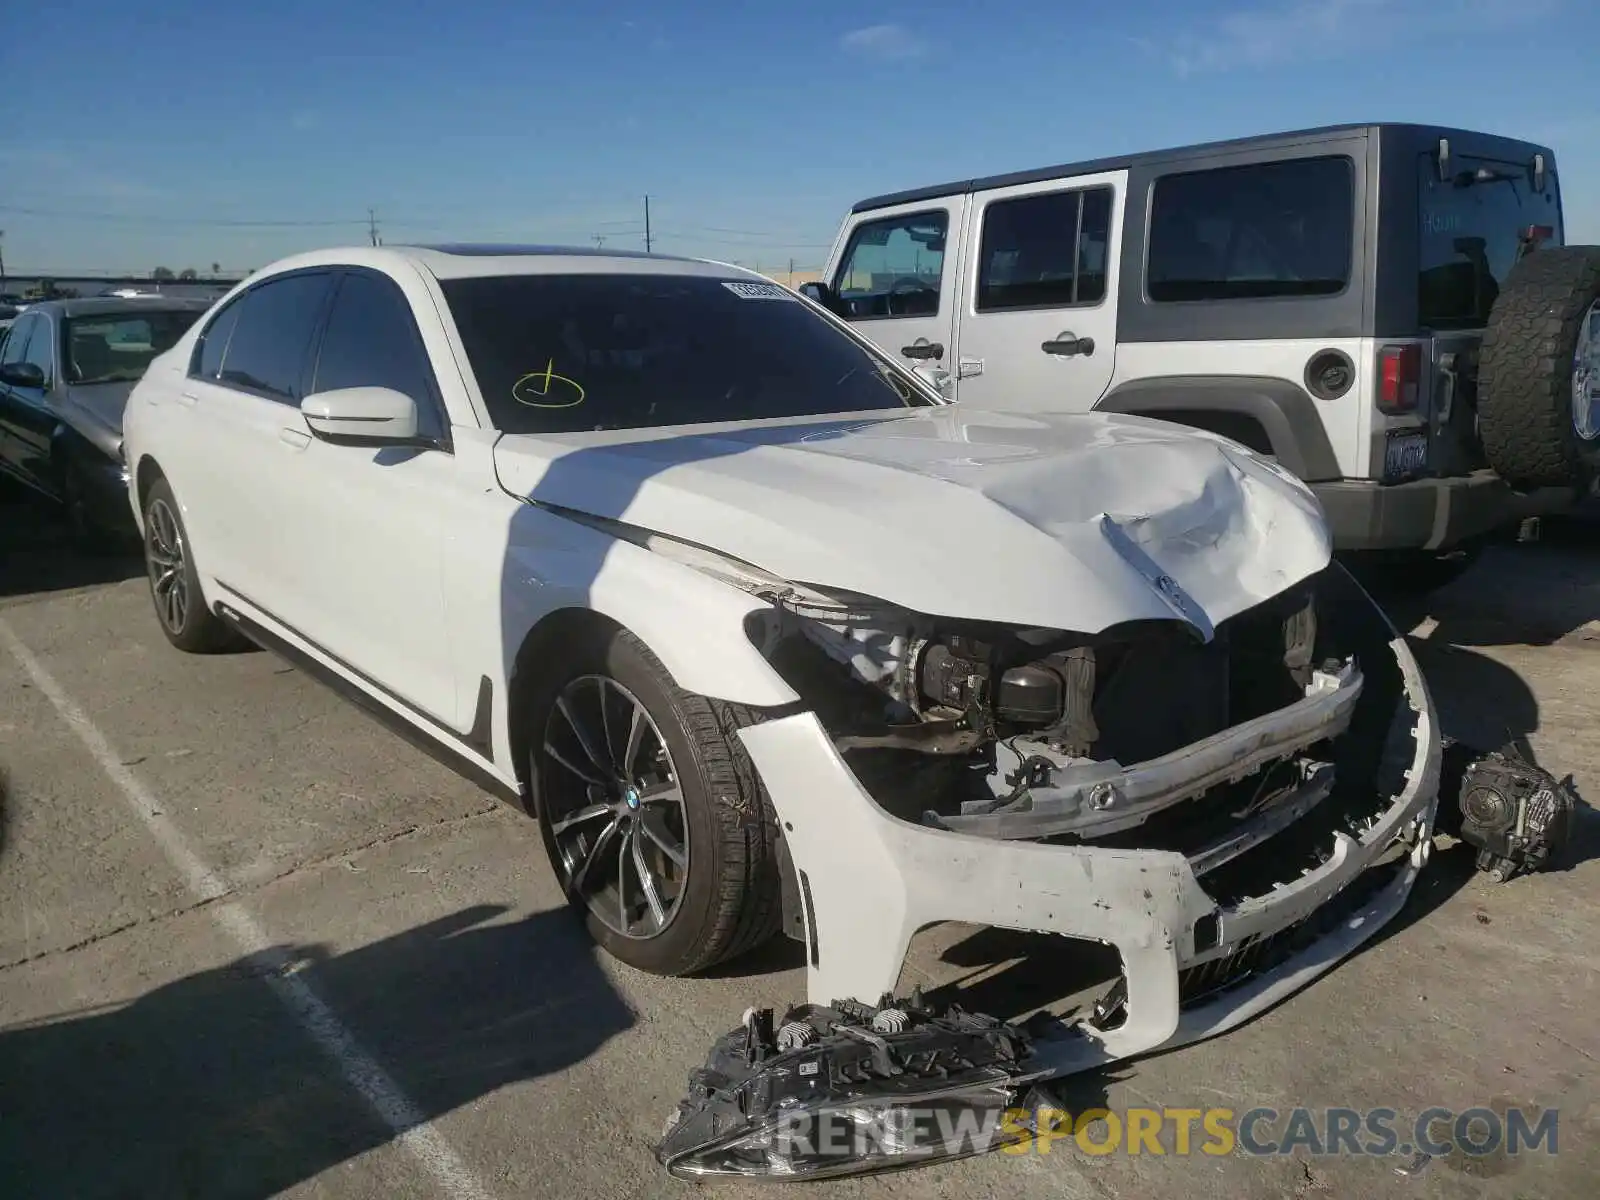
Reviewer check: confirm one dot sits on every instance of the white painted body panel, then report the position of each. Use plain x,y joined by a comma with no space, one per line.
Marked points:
984,516
1145,903
1348,420
417,575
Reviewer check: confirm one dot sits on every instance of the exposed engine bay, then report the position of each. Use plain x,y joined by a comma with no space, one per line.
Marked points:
1044,734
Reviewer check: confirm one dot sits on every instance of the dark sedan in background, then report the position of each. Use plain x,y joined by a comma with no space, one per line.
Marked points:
66,368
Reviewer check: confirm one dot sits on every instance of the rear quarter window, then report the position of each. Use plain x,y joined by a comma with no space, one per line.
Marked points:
1265,230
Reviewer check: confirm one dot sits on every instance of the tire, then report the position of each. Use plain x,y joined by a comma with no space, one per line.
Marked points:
725,899
1526,373
169,564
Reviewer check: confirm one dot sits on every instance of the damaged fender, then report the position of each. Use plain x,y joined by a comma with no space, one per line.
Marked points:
694,623
869,882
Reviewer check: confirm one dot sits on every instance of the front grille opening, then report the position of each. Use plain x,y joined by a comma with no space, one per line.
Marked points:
1205,981
1013,974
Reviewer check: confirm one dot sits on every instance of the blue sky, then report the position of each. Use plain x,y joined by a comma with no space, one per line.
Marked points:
148,134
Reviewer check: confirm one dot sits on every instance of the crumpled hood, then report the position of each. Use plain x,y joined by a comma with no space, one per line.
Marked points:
1074,522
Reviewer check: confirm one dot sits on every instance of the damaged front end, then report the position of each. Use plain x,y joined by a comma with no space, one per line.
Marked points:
1230,810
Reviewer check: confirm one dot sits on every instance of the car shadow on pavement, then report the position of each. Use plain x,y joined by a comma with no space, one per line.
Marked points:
37,554
205,1086
1527,594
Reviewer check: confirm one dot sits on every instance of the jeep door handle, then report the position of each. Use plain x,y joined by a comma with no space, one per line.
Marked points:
1066,345
923,350
297,438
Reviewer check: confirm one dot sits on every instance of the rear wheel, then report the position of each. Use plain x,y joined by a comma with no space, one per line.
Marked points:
653,818
1539,372
174,585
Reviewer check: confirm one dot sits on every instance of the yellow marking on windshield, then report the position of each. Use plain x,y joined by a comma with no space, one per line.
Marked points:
534,390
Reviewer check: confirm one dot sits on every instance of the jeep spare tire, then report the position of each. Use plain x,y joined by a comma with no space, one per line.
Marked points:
1539,373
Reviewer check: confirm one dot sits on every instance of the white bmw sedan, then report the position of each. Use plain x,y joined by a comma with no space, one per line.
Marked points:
767,635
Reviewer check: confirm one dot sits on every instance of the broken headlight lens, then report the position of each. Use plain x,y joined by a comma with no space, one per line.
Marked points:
817,1141
847,1089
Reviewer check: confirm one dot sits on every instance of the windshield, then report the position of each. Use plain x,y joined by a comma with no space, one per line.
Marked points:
569,353
1471,229
117,347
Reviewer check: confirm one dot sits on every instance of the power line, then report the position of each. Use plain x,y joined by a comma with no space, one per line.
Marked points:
689,235
64,214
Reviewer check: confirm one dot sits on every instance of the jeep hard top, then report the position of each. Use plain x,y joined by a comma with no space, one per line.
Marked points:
1388,310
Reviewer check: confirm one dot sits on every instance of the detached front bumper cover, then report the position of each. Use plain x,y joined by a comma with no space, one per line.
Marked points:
848,1089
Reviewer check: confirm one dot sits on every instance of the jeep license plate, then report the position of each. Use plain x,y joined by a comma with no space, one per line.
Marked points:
1404,455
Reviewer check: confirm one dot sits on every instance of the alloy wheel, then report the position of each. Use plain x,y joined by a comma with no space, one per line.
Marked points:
1586,376
615,807
165,558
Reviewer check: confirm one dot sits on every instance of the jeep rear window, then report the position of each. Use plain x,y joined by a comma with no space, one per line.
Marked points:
1470,227
1247,233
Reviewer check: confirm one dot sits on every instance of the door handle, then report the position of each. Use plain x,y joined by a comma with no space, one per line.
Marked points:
297,438
922,348
187,399
1066,345
966,368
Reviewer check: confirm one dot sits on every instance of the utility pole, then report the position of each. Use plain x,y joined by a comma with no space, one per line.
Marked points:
599,241
372,226
2,260
647,224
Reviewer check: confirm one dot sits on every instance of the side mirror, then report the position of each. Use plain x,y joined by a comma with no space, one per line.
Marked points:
362,416
820,293
22,374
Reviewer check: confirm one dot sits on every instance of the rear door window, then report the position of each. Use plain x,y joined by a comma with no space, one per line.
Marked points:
272,338
1275,229
1044,251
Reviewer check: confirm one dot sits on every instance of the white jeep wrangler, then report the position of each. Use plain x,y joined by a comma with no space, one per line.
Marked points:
1388,310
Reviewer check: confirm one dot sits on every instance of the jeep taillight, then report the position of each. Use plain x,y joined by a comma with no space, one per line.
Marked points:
1399,379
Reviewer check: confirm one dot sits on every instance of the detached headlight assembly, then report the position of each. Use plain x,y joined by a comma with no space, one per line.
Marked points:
849,1089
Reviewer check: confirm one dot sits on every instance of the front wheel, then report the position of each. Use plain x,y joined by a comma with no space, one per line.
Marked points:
652,816
174,584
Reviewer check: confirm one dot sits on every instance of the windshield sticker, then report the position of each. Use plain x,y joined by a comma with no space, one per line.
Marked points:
546,389
758,291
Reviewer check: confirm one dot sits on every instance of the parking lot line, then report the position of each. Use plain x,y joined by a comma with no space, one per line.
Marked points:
363,1073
